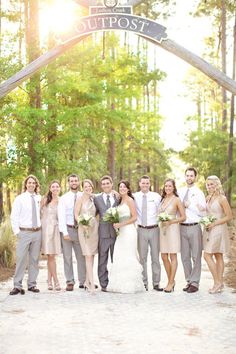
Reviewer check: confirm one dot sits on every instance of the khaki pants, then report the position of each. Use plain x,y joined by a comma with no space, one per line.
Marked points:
27,249
149,238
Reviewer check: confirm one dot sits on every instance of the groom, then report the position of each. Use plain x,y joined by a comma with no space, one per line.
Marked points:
106,231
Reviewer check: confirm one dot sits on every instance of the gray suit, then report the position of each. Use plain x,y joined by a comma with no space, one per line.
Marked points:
107,239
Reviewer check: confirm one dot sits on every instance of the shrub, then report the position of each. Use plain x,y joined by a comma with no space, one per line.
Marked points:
7,245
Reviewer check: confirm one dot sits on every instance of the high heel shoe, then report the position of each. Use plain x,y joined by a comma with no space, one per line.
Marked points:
216,289
171,290
57,287
86,287
50,287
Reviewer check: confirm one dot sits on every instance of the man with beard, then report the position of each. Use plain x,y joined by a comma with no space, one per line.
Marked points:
193,200
69,234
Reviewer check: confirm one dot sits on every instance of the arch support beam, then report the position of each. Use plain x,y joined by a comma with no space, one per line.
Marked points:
200,64
154,33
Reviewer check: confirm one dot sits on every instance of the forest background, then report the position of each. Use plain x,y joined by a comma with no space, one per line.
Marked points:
96,109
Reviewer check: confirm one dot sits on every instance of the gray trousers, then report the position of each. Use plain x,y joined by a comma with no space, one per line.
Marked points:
146,238
27,249
104,246
191,252
67,247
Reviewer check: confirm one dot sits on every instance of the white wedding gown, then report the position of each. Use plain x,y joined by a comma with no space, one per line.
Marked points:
125,275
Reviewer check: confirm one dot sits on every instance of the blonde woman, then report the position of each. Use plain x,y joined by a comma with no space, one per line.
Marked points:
215,236
88,235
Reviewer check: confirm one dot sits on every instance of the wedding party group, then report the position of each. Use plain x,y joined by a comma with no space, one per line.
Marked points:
123,228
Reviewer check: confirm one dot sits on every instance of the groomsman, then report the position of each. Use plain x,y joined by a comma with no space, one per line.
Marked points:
106,231
147,203
26,225
69,234
190,231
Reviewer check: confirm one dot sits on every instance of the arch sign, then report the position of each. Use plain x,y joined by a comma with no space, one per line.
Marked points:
114,17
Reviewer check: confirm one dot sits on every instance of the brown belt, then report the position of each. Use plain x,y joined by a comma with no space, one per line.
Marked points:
192,224
148,227
34,229
72,226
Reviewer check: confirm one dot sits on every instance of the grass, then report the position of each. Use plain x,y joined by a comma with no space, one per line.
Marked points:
7,245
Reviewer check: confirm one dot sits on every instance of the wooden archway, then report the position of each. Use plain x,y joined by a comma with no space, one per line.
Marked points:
144,27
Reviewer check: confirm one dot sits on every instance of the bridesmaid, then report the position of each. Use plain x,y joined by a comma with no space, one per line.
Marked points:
88,235
169,231
215,236
51,243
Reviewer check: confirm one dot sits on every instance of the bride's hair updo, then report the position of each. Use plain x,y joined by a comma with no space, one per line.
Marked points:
217,183
127,184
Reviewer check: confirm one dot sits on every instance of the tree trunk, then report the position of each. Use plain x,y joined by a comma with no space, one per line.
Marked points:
231,129
34,89
111,153
1,202
223,59
0,28
8,200
51,78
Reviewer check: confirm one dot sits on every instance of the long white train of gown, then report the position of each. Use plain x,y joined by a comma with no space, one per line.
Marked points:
125,275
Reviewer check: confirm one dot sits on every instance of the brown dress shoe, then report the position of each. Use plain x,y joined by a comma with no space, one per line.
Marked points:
157,288
70,287
16,291
186,287
104,290
34,289
192,289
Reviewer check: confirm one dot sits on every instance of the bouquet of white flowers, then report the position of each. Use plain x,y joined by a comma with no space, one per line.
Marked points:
112,216
161,218
206,221
84,219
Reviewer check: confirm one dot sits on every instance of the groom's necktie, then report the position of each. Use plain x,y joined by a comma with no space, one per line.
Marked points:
108,202
144,210
34,212
186,196
75,222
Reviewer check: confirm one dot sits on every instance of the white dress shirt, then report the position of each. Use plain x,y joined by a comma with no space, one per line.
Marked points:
196,199
21,214
66,210
153,201
112,199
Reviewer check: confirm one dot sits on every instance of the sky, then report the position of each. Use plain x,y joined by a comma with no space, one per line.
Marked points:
188,32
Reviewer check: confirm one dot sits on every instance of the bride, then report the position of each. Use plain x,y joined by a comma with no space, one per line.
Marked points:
126,272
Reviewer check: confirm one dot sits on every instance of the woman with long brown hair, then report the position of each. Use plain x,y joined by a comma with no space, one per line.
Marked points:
169,231
51,243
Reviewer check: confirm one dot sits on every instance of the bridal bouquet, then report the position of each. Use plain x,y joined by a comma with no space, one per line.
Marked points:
161,218
112,216
84,219
206,221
